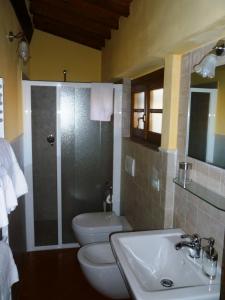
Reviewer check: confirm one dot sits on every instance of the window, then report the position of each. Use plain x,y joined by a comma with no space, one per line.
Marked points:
147,107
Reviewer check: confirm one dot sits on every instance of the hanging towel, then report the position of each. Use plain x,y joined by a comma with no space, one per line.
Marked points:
9,192
9,162
101,101
3,210
8,270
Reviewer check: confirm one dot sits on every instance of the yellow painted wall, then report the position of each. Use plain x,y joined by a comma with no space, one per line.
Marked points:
157,29
50,55
171,101
11,71
220,112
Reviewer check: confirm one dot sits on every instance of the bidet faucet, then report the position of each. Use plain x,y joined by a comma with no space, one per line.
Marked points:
194,244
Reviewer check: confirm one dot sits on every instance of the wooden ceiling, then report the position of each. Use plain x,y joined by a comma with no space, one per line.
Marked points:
88,22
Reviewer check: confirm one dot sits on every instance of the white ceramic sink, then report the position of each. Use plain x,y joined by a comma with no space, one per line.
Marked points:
146,258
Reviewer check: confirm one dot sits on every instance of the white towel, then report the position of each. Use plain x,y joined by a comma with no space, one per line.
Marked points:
9,162
3,210
9,192
101,101
8,269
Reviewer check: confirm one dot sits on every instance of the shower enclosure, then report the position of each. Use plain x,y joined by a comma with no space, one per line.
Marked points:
68,159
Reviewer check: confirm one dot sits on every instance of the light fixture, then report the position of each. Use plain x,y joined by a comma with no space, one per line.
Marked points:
206,67
23,48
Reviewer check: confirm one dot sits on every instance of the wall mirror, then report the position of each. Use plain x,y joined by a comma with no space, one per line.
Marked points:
206,138
1,110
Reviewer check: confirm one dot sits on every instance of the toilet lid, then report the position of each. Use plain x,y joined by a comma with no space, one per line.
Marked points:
98,222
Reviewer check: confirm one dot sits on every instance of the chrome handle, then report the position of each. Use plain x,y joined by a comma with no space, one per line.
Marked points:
210,240
193,237
51,139
185,236
195,240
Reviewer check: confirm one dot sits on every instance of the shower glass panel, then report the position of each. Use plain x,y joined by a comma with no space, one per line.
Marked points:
43,122
71,163
86,157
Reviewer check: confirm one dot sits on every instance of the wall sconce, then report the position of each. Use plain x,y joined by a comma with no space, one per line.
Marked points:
23,48
206,67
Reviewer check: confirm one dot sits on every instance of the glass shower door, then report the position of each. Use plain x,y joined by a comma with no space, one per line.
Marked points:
71,161
86,157
43,124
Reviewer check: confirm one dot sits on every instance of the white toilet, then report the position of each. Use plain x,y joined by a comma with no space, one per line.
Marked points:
96,227
96,259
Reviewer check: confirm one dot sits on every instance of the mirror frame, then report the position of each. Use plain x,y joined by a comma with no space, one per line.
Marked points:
188,124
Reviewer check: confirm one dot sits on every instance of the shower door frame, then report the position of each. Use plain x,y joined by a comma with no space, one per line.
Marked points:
28,167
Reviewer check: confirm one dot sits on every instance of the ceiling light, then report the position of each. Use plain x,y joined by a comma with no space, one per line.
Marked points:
206,67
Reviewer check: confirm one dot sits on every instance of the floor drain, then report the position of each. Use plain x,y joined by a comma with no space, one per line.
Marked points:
166,283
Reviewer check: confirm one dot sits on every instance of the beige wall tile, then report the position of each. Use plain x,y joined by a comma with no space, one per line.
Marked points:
144,205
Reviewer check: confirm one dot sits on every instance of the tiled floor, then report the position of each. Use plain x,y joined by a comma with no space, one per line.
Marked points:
54,275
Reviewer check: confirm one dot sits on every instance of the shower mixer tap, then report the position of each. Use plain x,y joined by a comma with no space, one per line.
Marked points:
51,139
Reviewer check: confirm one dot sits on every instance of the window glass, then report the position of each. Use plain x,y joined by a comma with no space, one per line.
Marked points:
139,100
156,99
147,107
155,122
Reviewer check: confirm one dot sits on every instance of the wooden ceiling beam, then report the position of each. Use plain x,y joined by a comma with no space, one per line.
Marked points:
121,7
23,16
85,10
88,22
67,17
68,32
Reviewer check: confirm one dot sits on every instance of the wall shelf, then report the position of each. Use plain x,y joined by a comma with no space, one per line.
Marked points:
212,198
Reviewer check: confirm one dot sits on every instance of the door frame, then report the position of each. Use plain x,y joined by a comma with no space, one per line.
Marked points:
27,158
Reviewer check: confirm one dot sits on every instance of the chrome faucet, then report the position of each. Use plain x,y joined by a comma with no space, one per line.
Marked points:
194,244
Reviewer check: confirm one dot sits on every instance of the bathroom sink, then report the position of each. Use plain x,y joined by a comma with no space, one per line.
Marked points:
154,269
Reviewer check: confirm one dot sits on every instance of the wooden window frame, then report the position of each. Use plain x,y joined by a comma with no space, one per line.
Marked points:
146,84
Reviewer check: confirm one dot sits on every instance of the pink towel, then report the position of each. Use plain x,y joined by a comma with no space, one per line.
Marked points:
101,101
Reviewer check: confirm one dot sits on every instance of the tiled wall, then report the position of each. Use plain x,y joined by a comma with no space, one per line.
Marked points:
168,173
126,107
191,213
140,202
145,206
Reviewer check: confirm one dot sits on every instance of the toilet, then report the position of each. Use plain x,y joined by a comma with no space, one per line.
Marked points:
96,259
97,227
100,269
